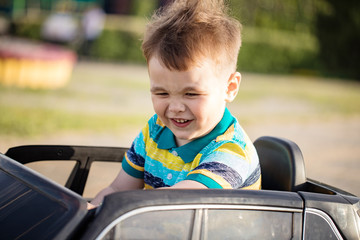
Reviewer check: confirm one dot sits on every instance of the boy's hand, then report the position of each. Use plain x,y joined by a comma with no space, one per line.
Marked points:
90,206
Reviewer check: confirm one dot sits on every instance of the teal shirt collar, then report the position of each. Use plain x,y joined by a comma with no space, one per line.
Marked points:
188,152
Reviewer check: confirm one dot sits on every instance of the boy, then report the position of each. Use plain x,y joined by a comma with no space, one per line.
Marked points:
192,141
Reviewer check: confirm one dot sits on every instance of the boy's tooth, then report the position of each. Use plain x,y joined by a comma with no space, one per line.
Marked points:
180,120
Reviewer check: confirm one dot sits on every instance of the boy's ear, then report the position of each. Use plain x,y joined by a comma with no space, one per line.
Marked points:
233,85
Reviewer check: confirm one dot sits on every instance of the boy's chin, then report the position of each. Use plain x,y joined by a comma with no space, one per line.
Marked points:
185,139
182,140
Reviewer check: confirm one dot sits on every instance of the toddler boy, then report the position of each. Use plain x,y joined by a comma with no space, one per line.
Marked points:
192,141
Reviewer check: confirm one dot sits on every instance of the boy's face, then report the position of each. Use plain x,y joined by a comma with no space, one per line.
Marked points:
190,103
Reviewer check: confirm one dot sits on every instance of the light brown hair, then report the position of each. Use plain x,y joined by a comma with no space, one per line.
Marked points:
186,31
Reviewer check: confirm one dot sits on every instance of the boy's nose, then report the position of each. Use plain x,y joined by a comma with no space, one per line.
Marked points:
176,106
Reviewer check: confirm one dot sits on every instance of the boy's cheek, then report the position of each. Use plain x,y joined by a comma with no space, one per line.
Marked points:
157,110
157,104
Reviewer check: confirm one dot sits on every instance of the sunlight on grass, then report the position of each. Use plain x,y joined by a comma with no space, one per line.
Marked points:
339,97
20,121
111,97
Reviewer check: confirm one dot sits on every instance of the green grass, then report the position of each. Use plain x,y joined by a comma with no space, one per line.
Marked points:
96,99
21,121
335,96
110,98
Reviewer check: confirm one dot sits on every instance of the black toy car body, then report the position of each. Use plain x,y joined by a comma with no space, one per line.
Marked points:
290,206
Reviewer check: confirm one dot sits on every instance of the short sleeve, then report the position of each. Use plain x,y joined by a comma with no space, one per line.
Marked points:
134,159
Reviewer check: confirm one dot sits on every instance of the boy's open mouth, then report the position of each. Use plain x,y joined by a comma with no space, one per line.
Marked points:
180,122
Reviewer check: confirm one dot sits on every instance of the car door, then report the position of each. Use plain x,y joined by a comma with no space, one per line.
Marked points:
33,207
198,214
74,167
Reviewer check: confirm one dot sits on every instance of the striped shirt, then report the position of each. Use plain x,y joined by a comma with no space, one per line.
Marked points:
224,158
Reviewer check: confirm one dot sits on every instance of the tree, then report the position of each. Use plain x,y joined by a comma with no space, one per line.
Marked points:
338,33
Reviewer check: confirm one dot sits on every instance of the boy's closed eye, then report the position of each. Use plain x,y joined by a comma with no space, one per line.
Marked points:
161,93
190,94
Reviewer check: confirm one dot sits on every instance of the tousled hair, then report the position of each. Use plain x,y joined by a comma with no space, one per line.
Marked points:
186,31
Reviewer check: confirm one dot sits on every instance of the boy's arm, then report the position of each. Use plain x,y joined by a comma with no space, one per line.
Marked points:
187,184
122,182
126,182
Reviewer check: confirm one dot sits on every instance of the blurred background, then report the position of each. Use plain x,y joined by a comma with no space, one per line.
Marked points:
71,72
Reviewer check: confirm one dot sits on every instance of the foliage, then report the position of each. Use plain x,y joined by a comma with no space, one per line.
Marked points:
264,50
143,8
275,51
119,46
338,31
27,30
278,36
294,15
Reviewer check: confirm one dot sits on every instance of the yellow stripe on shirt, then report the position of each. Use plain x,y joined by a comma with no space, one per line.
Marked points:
147,186
159,122
168,159
228,135
213,176
254,186
233,149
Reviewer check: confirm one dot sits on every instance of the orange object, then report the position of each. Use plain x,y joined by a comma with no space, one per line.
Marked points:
34,65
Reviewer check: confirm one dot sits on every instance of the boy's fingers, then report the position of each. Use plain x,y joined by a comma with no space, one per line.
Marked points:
90,206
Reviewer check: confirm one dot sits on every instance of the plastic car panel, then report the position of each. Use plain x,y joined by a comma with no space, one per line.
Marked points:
317,210
32,207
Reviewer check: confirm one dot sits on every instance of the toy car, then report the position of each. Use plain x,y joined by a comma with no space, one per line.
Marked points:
289,206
